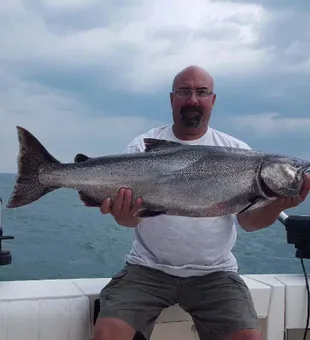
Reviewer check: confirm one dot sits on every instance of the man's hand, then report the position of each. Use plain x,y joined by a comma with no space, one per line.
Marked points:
267,215
123,210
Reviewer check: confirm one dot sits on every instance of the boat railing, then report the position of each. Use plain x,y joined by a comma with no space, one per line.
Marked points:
5,255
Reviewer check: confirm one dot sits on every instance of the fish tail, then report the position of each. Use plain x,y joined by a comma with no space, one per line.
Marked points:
31,157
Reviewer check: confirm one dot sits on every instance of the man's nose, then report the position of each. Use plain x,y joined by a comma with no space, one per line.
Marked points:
193,98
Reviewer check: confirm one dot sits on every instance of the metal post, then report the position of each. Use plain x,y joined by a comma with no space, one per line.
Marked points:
1,230
282,217
5,255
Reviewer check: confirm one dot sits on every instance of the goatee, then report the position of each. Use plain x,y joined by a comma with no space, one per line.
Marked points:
191,116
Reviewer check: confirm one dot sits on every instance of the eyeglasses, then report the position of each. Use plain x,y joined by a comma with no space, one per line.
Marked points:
186,92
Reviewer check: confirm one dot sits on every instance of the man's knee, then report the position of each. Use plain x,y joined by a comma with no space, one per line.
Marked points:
113,329
246,334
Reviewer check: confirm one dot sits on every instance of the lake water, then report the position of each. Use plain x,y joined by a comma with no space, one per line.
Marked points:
57,237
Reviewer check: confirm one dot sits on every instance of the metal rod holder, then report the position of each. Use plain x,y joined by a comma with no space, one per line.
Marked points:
282,217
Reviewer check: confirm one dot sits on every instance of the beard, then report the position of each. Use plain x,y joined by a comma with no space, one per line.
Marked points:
191,116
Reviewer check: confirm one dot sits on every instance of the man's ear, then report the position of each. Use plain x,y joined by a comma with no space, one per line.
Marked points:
171,98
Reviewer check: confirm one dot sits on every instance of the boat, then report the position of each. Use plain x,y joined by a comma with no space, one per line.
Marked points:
67,309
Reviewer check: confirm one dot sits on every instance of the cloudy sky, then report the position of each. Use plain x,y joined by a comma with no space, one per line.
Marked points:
89,75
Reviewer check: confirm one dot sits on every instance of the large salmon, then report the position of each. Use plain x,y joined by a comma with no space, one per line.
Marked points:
171,178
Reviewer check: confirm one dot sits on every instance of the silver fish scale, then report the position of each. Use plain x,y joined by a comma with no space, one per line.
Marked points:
191,181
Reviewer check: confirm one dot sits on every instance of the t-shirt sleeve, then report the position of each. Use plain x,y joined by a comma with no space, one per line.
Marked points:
136,145
132,148
244,146
236,143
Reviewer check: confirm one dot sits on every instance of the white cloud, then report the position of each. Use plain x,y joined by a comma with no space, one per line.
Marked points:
62,124
145,45
66,3
138,46
270,124
289,48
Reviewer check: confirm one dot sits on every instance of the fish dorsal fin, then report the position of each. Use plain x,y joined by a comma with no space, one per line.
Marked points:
80,157
153,144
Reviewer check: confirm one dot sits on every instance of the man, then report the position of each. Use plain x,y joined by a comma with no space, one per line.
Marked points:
184,260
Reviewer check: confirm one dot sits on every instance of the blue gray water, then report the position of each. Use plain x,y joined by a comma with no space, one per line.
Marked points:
57,237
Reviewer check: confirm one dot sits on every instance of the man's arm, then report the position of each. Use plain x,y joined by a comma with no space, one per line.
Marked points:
260,218
263,217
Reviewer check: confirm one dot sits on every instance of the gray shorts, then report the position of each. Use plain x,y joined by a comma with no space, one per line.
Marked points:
219,303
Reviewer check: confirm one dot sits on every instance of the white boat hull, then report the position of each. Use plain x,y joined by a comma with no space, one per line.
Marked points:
64,309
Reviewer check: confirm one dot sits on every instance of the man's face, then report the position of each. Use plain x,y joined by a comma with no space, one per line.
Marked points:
192,109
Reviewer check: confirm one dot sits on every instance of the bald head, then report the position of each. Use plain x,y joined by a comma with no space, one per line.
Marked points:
193,71
192,99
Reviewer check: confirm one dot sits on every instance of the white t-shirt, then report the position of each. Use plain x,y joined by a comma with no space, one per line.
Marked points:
185,246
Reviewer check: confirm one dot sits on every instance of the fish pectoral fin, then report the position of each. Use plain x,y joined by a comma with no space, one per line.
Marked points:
88,201
143,213
255,204
153,144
